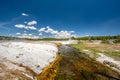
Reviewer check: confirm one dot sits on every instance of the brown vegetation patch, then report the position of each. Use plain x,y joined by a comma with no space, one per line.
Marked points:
103,46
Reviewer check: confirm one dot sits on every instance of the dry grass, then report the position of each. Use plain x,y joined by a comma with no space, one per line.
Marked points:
111,50
103,46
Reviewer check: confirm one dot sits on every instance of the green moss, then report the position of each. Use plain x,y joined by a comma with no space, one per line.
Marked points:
96,50
88,75
112,53
21,79
81,47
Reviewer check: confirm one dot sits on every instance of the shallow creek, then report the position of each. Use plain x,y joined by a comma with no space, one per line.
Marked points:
79,66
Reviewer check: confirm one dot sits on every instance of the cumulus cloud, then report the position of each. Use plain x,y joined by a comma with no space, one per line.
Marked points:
20,26
42,29
30,34
72,31
18,33
63,34
30,28
32,23
54,32
50,30
40,34
57,34
25,22
25,27
47,30
24,14
24,34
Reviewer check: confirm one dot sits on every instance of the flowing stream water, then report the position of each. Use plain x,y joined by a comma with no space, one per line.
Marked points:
79,66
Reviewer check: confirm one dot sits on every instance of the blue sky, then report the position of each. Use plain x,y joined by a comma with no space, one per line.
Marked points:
64,17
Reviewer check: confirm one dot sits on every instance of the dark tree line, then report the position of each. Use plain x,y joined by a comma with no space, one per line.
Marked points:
39,39
48,39
7,38
115,39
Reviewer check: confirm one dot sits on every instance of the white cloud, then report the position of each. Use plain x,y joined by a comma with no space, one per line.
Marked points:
18,33
32,23
24,14
20,26
50,30
54,32
30,28
57,34
25,22
87,35
25,27
63,34
40,34
72,31
30,34
42,29
24,34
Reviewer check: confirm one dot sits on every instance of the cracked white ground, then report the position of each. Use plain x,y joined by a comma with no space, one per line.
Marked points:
31,55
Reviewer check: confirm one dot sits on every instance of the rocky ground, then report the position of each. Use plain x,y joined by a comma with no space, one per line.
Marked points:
25,60
70,63
13,71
